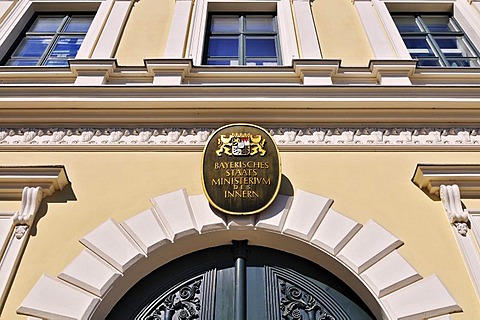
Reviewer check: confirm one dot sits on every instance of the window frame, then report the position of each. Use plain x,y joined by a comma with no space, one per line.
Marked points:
242,34
384,36
101,39
288,45
55,36
431,36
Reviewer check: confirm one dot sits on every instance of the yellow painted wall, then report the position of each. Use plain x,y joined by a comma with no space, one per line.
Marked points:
146,32
341,33
363,185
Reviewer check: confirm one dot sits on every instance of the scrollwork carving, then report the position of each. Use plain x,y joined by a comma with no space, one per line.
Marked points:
182,304
299,305
452,204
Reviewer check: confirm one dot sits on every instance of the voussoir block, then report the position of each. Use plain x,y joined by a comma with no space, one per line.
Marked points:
146,229
368,246
79,272
423,299
54,299
334,232
176,214
112,243
305,214
273,218
390,274
207,220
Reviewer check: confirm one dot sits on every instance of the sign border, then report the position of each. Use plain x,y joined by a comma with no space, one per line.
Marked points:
274,196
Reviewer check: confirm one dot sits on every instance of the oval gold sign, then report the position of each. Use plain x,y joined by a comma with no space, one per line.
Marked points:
241,169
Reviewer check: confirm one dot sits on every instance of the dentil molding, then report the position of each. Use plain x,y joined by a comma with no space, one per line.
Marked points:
285,137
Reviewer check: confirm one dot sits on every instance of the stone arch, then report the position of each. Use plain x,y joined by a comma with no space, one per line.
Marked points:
117,255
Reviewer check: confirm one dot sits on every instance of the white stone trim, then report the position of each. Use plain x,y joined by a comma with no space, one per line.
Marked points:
383,282
288,43
16,20
383,35
450,196
112,30
368,246
450,183
65,301
194,138
422,299
307,35
389,280
471,255
178,35
105,247
30,185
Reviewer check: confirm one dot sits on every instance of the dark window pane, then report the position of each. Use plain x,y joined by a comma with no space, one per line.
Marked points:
32,47
429,63
223,47
448,43
259,24
47,24
438,23
225,24
260,47
66,47
454,46
261,62
416,43
222,62
22,62
56,63
406,24
78,24
473,62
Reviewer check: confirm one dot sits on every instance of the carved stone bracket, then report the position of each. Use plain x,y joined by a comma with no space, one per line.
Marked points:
452,204
22,219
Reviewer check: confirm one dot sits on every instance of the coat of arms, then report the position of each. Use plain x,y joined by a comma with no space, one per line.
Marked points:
241,144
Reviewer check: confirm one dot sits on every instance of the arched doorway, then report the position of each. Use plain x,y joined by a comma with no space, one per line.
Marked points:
240,282
118,255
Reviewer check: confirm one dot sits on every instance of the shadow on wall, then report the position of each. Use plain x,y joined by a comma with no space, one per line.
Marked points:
62,196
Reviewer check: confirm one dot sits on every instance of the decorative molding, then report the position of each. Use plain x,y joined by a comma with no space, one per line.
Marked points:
14,179
452,204
451,183
429,178
83,137
30,185
22,219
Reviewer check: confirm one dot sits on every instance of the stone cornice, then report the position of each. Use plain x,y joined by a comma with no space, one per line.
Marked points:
429,178
288,138
13,180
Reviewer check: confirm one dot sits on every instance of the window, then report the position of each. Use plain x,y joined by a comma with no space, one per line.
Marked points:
436,40
242,39
50,40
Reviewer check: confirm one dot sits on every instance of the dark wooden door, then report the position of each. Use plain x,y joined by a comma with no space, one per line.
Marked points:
240,282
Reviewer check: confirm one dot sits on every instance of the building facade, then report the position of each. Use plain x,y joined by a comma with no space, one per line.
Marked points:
105,109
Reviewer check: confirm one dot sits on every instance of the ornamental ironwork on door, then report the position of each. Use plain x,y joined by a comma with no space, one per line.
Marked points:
240,282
